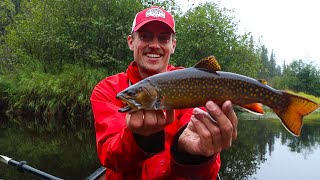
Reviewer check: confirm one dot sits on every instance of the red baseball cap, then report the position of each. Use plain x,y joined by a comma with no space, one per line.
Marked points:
153,13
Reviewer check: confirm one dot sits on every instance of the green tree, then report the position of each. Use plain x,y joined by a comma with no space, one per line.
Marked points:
209,30
275,70
301,77
7,12
17,4
263,72
58,51
273,64
74,31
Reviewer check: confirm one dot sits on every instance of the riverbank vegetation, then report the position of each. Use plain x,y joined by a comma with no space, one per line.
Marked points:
52,53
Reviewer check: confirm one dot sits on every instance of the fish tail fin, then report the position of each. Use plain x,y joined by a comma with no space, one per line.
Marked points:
292,115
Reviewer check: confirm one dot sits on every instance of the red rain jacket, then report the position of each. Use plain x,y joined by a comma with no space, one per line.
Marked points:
129,156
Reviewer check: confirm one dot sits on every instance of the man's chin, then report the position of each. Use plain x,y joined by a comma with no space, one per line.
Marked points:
152,69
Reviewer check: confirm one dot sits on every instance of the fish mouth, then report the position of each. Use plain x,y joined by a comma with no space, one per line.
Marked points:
131,104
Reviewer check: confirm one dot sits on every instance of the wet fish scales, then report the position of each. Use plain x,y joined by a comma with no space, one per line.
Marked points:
193,87
204,86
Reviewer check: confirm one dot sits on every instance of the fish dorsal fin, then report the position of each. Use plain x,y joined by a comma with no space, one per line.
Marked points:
209,63
263,81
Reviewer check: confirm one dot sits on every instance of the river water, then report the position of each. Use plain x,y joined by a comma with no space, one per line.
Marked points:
263,150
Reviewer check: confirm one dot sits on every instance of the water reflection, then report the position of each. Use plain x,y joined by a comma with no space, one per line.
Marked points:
264,150
65,155
263,143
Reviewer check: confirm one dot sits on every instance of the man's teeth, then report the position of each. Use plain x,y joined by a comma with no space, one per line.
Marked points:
153,55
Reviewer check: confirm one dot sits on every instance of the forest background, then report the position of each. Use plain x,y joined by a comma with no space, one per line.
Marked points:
53,53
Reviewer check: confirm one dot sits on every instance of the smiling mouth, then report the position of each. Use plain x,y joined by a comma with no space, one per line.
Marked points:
153,55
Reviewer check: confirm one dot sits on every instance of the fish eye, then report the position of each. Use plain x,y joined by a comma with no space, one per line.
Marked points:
131,93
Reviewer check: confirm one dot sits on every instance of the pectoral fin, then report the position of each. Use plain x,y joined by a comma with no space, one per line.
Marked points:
255,108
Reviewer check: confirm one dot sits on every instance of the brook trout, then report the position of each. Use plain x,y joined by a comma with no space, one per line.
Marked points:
194,86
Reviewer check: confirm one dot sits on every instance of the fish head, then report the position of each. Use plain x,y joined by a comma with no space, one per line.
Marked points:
139,96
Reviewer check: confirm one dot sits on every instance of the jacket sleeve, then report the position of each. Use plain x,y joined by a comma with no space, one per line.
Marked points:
192,166
116,146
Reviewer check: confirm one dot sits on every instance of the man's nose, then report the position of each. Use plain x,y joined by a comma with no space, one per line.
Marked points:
154,43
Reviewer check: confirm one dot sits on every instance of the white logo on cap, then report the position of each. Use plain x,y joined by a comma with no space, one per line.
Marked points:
155,12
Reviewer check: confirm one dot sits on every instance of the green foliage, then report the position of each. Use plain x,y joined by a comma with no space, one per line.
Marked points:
269,68
275,69
209,30
300,77
264,70
73,31
55,51
54,97
314,98
7,12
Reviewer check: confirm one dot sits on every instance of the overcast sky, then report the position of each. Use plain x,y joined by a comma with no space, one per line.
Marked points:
290,27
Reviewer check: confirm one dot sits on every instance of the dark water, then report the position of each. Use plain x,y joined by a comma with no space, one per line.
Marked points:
64,155
264,150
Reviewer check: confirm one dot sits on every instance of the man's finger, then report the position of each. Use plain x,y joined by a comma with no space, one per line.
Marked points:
150,119
169,116
161,118
212,127
205,137
135,120
227,108
224,124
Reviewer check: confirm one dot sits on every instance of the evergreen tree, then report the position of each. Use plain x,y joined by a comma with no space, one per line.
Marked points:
264,70
272,65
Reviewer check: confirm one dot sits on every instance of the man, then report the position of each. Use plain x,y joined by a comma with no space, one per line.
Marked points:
179,144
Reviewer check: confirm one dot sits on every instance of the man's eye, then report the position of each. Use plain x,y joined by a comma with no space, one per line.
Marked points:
146,36
164,38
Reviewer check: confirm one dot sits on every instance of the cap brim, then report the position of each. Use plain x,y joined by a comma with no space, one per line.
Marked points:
147,21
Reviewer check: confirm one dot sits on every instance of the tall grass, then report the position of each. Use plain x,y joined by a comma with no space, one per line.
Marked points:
62,98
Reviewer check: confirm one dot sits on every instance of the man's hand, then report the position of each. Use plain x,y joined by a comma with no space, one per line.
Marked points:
204,137
148,122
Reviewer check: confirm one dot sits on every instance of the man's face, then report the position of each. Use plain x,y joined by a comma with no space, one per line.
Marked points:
152,46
